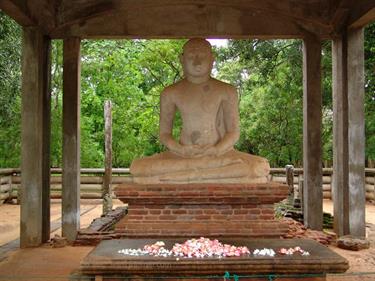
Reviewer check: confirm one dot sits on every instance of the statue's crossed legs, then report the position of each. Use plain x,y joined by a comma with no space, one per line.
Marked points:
231,167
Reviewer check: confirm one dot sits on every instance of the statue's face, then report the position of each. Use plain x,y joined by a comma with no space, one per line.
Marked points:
197,61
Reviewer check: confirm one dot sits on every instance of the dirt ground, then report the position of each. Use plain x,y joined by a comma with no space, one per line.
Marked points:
29,264
362,262
10,217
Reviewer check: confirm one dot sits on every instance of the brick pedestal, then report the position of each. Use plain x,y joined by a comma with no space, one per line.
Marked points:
210,210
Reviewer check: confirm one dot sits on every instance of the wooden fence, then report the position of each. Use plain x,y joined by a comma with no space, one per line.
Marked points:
279,175
92,182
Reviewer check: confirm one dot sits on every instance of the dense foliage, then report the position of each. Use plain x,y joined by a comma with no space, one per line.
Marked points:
10,99
132,73
370,93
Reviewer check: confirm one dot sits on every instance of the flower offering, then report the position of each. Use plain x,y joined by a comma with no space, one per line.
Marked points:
292,251
193,248
204,247
207,248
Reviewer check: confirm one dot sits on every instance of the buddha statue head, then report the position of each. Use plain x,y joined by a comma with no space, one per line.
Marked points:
197,60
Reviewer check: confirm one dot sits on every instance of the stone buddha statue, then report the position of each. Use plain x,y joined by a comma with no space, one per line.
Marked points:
204,152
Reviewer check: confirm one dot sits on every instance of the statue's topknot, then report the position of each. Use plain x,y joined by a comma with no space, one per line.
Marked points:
196,43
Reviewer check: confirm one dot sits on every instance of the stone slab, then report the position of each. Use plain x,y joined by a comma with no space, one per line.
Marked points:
106,261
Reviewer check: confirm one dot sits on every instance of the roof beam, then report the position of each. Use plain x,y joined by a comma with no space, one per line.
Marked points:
186,18
315,12
351,14
44,12
18,10
83,11
362,17
31,13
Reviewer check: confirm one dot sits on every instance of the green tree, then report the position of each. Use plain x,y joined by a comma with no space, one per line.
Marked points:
370,92
56,103
269,77
132,74
10,81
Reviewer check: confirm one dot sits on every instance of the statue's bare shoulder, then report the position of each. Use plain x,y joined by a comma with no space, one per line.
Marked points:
172,91
227,90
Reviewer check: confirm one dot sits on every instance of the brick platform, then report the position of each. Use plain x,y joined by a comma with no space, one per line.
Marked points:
211,210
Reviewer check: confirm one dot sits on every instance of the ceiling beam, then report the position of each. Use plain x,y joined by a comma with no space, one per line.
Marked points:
17,9
363,16
186,18
45,13
353,14
31,13
308,11
82,11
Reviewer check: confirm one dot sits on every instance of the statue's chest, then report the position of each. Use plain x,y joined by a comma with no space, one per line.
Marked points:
199,102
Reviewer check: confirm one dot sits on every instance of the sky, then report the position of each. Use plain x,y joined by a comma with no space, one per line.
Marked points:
218,42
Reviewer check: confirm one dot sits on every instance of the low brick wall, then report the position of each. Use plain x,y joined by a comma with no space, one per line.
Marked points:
212,210
201,212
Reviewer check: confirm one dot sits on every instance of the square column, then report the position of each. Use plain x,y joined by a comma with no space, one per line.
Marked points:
312,122
340,177
349,134
35,148
71,139
356,132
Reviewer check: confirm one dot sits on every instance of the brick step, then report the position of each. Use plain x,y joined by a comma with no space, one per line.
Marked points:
200,212
251,194
255,228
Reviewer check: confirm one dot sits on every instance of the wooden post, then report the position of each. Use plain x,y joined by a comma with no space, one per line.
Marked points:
107,179
71,139
289,170
300,191
340,184
19,193
356,133
35,150
312,121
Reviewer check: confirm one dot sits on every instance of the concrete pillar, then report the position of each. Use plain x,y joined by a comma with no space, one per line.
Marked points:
71,139
312,122
340,183
35,149
356,132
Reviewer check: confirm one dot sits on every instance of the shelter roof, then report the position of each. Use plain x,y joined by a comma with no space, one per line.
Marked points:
191,18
